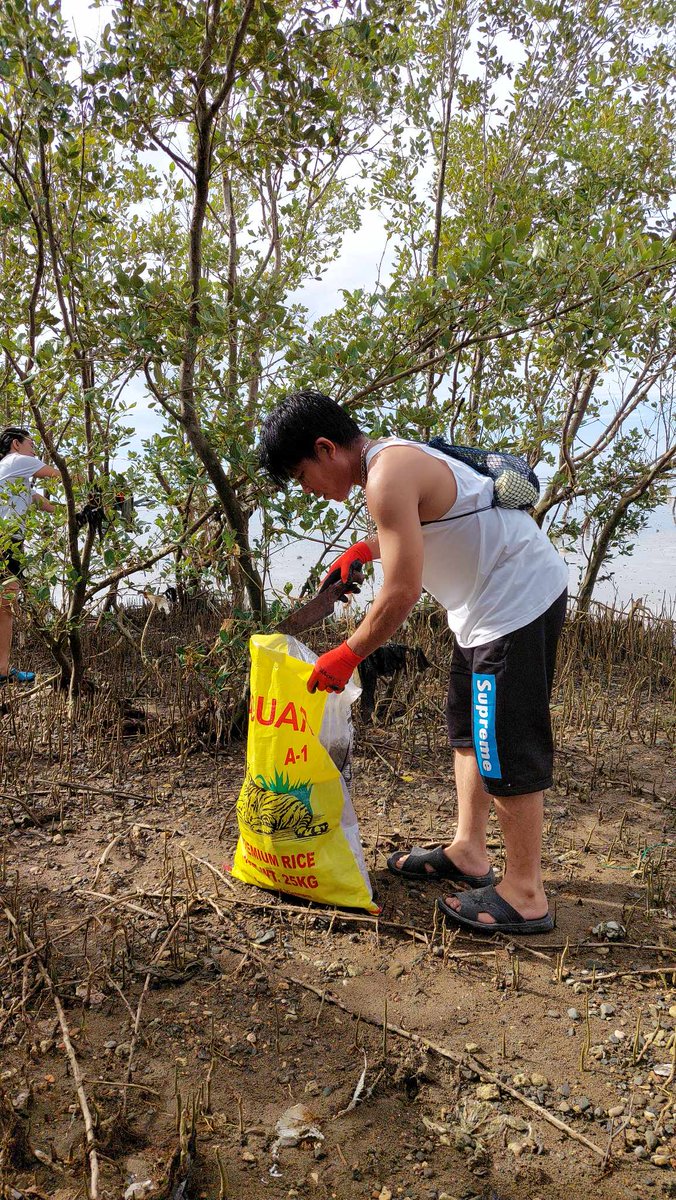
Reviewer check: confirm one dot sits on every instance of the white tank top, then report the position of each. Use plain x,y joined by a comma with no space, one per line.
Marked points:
493,571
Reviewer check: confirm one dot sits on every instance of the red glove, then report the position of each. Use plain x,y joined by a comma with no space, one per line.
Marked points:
332,670
360,552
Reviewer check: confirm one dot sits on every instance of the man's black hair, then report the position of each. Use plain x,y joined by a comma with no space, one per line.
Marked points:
9,433
290,432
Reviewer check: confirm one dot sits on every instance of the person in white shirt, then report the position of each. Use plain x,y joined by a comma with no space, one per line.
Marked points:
503,586
19,466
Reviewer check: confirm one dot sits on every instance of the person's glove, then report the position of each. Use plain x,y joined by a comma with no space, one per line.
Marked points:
340,569
333,670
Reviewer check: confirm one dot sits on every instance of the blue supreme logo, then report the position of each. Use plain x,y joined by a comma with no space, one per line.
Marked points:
483,725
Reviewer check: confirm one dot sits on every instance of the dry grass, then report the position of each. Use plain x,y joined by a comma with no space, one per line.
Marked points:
134,788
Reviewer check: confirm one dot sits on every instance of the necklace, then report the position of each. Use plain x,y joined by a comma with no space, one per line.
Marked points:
362,462
371,530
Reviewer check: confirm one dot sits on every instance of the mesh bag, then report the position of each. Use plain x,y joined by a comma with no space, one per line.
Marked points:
515,483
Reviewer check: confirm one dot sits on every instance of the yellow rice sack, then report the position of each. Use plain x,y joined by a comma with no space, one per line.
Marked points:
298,829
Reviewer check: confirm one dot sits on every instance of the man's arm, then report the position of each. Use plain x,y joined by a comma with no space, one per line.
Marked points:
394,497
40,501
43,503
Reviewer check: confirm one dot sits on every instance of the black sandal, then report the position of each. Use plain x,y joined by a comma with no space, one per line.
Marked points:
443,868
507,919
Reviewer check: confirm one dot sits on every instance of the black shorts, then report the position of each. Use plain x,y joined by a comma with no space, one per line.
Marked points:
11,560
498,703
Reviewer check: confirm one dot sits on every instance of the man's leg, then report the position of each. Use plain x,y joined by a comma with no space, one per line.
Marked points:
520,820
8,592
520,669
468,849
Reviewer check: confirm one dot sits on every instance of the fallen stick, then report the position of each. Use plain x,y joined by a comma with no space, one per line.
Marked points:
459,1059
122,834
508,941
98,791
210,867
577,947
670,969
137,1022
116,1083
114,902
102,861
74,1065
333,915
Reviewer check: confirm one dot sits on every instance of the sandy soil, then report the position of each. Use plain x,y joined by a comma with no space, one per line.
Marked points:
258,1003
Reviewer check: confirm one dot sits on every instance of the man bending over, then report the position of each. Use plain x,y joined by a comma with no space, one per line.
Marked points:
504,588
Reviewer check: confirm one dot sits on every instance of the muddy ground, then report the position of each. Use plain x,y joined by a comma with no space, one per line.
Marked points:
195,1005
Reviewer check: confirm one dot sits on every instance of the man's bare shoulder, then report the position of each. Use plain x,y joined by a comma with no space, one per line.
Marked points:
392,461
404,475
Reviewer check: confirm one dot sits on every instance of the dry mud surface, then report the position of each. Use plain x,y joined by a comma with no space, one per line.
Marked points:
191,1001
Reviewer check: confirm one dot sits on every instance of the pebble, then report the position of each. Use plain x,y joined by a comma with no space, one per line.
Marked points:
564,1090
139,1191
651,1140
582,1104
660,1160
122,1050
396,971
640,1152
488,1091
539,1080
516,1123
612,931
21,1102
616,1110
607,1010
572,1014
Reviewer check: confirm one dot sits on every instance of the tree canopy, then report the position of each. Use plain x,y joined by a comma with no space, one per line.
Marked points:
167,195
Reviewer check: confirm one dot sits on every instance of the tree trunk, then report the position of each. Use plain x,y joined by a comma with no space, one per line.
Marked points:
600,550
205,117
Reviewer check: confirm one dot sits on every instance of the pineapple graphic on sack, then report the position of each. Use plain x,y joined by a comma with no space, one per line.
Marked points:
298,828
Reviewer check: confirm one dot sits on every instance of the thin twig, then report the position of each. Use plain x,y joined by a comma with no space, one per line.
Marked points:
214,870
146,984
74,1065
